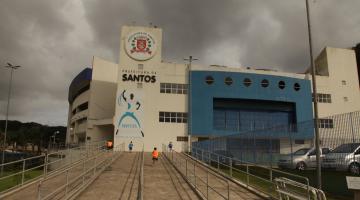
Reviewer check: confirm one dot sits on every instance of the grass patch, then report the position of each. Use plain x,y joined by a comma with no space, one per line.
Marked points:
16,179
334,182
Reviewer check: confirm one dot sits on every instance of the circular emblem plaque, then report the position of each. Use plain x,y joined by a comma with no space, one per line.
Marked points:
140,45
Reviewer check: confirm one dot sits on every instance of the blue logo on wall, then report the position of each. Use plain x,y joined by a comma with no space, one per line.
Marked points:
133,107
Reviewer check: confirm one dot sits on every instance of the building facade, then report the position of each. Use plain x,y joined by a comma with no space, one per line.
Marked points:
150,102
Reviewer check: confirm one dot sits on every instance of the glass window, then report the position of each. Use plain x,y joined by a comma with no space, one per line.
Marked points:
247,82
209,80
281,84
228,81
296,86
326,123
323,98
265,83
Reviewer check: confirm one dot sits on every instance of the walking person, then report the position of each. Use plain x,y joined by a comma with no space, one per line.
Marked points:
170,146
155,155
131,145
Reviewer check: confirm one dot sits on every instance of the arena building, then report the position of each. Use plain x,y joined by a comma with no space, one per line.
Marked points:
151,102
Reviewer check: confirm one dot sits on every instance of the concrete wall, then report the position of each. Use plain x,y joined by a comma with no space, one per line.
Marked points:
341,65
102,99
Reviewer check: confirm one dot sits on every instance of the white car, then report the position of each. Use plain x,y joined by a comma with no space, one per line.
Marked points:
345,157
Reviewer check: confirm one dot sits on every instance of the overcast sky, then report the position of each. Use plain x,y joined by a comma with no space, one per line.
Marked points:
55,40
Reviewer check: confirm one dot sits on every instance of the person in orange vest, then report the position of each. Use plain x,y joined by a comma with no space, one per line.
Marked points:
109,144
155,155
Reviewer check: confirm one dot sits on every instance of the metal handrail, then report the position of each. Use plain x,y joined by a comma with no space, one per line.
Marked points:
141,178
291,192
232,161
44,164
178,163
95,170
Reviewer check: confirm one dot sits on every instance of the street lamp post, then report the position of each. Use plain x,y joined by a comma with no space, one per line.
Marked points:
316,114
12,68
54,136
190,59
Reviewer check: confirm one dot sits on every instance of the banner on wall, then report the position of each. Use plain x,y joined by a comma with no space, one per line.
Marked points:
129,121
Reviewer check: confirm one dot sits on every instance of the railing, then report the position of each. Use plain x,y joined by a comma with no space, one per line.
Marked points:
261,178
289,189
198,176
141,177
29,170
70,181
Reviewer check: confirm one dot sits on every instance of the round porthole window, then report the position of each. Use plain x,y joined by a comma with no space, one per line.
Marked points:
296,86
265,83
228,81
209,80
281,84
247,82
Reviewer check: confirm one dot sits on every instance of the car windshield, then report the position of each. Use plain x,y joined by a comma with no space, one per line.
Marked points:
346,148
301,151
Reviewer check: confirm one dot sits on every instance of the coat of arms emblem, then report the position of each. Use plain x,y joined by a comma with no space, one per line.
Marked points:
140,45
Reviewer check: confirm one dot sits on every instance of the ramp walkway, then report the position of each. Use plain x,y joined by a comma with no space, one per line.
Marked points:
120,180
123,175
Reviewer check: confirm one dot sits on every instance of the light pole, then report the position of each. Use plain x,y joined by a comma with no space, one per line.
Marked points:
190,59
11,67
54,136
316,115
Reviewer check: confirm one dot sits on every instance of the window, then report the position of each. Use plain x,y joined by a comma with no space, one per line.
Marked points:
173,117
209,80
181,138
324,98
326,123
247,82
173,88
228,81
296,86
83,106
325,150
281,84
265,83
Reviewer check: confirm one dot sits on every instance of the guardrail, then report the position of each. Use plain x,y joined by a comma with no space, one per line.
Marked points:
29,170
259,177
198,177
141,178
70,181
289,189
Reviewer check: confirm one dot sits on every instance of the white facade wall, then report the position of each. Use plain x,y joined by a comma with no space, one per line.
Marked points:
152,102
336,66
341,66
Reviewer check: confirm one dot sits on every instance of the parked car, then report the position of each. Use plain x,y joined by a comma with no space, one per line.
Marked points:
302,159
345,157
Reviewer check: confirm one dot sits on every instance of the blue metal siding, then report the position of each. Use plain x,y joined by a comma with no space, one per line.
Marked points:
202,95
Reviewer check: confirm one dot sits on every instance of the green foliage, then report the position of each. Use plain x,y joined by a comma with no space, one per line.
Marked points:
34,133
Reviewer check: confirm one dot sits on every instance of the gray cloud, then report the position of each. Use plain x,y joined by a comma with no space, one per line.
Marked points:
54,40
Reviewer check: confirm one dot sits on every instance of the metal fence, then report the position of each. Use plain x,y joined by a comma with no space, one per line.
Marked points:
291,148
70,181
268,145
19,173
207,183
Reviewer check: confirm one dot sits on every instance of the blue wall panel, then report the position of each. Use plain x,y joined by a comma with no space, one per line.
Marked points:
203,94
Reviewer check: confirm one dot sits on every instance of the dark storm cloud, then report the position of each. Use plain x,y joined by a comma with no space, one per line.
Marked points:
54,40
270,34
36,35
